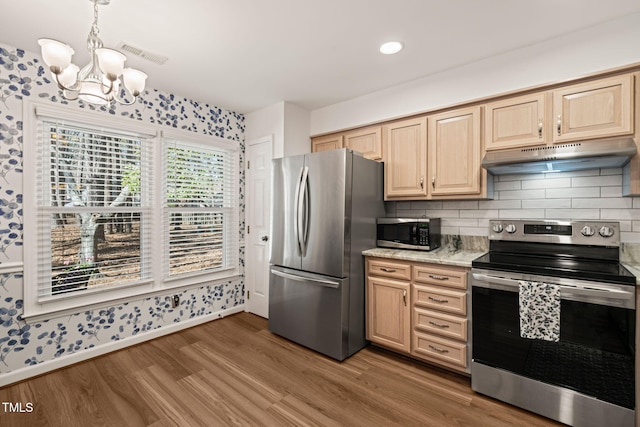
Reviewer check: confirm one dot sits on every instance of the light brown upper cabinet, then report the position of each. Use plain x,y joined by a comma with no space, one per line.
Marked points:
327,142
367,141
597,109
455,152
601,108
517,122
405,155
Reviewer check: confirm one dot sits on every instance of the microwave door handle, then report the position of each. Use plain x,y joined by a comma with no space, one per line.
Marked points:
414,233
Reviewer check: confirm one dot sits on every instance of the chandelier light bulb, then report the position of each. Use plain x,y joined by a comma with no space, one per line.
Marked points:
56,55
111,62
69,76
134,80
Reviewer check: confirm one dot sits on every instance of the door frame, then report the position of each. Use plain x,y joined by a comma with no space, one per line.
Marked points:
249,255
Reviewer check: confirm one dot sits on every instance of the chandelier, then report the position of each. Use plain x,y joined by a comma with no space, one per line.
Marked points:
99,81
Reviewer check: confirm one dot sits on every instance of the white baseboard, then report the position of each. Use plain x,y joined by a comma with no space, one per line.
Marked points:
53,364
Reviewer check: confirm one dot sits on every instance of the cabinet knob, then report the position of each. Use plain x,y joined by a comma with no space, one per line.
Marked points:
559,125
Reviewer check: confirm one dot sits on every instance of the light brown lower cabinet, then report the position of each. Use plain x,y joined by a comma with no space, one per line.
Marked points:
420,310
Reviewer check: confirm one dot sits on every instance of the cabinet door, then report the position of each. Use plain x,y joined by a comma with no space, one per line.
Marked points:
367,141
405,159
327,142
515,122
455,151
388,313
596,109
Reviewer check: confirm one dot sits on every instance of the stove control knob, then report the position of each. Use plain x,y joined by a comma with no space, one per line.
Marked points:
510,228
588,231
606,231
497,228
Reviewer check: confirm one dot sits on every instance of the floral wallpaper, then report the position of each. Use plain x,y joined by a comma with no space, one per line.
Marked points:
23,75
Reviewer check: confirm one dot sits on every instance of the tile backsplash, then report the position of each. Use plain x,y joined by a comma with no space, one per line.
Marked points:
594,194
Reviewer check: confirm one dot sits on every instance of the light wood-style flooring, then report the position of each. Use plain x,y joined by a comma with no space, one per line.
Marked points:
233,371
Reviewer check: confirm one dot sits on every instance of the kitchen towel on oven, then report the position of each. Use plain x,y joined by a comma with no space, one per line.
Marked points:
539,311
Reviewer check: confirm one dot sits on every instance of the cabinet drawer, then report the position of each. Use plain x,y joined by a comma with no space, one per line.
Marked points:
391,269
441,275
449,300
430,346
434,322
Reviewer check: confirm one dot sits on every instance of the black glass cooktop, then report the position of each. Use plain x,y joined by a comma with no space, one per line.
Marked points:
557,265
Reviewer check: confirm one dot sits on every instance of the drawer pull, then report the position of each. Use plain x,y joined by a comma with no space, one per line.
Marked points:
438,349
441,301
388,270
438,325
434,277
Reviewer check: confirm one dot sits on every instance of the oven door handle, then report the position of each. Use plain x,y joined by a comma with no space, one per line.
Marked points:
581,291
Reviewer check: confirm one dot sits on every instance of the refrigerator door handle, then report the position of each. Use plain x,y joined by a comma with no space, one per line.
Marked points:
305,195
301,211
296,214
322,282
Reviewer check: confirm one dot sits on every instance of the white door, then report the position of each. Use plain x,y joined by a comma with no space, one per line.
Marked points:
257,219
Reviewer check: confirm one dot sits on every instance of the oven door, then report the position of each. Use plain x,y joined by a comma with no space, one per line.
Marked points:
596,350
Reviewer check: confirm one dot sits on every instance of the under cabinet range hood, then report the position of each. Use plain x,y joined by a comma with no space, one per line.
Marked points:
593,154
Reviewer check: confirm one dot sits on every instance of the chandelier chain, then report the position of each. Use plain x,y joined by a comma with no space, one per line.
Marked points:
94,28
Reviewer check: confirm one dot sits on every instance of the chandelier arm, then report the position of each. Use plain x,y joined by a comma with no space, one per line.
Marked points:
111,86
122,101
61,86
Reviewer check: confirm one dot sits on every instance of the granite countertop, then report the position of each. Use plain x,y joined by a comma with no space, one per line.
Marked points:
635,270
445,255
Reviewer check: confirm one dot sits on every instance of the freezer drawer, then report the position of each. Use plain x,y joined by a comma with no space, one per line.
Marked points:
311,310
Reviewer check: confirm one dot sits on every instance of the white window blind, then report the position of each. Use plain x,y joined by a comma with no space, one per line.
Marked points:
200,208
93,208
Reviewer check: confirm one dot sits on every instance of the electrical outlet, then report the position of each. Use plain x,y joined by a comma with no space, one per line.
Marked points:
175,301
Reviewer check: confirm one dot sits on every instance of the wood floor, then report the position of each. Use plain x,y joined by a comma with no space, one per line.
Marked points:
233,371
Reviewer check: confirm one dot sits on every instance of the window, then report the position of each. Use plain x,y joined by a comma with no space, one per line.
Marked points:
114,209
199,213
91,208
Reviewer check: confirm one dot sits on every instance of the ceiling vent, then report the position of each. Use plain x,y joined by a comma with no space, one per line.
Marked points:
149,56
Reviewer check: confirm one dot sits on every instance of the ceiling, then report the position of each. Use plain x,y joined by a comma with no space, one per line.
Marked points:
247,54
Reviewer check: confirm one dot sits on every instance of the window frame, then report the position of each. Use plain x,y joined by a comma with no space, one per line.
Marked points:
37,308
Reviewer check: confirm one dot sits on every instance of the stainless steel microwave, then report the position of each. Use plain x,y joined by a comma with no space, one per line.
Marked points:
422,234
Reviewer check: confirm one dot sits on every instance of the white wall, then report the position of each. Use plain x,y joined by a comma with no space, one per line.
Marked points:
297,122
609,45
267,121
288,123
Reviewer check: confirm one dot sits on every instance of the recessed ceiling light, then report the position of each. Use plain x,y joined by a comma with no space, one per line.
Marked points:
389,48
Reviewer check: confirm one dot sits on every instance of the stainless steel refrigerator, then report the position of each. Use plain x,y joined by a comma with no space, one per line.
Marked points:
324,212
